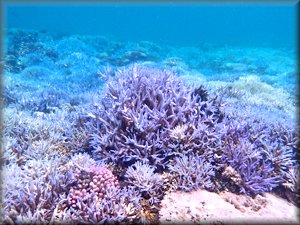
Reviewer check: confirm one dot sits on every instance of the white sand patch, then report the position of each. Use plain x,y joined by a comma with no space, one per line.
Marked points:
212,208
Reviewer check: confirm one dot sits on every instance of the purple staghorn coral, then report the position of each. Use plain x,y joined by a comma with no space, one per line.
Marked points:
258,155
149,115
254,176
31,193
192,172
142,177
153,131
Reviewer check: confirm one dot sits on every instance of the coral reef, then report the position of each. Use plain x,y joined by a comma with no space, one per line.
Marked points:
255,152
251,90
96,197
143,118
85,141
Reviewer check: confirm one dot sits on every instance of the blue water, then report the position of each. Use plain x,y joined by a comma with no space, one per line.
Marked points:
183,24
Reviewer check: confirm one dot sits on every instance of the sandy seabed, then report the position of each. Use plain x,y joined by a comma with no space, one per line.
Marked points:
226,208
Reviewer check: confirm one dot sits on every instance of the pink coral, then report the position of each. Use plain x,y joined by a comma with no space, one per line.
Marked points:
93,180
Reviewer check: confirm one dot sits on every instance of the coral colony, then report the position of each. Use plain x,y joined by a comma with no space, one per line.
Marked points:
148,132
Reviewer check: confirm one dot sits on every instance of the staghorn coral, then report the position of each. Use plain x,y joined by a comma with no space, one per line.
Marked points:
192,172
292,179
149,115
260,154
280,147
35,190
142,177
80,161
178,133
133,120
27,137
149,123
292,184
256,176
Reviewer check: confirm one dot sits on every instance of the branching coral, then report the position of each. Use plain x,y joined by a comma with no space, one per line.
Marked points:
192,172
255,176
292,179
142,177
119,206
259,154
149,115
178,133
252,90
153,129
34,190
28,136
138,111
80,161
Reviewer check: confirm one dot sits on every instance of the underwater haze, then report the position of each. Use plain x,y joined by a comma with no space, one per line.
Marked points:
183,24
108,109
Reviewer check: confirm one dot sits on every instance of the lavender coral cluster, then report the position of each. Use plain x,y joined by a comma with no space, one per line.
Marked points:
261,155
150,116
192,172
158,134
143,178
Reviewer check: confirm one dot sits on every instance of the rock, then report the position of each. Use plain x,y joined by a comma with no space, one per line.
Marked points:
225,208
